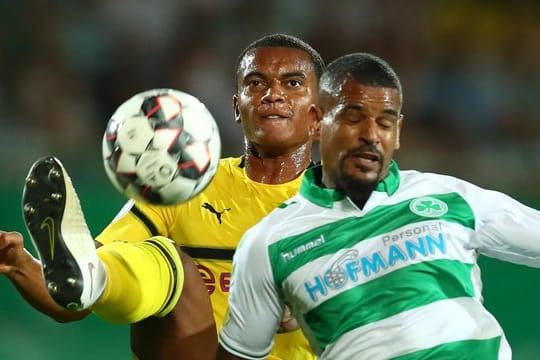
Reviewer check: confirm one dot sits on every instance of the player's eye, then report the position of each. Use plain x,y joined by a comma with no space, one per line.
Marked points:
387,122
352,116
295,83
254,82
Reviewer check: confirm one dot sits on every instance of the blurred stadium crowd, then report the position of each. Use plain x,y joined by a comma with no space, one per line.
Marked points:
470,72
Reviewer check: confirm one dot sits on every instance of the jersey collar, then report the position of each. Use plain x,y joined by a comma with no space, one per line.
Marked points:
326,197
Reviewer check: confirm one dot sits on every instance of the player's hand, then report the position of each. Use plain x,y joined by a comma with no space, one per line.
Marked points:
12,252
288,322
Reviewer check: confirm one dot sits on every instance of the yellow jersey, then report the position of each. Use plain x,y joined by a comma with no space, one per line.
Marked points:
208,228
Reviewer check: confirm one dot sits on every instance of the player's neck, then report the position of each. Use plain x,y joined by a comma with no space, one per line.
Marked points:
277,169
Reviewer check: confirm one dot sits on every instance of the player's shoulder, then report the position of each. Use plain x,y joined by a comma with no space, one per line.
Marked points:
415,184
284,211
228,170
230,160
229,163
423,178
271,226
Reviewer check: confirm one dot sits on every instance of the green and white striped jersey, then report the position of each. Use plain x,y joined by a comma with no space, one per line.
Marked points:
397,279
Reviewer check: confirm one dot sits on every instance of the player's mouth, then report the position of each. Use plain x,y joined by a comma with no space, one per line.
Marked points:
368,156
270,112
274,117
366,159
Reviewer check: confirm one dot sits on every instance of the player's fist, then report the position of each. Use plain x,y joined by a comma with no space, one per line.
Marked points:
288,322
12,252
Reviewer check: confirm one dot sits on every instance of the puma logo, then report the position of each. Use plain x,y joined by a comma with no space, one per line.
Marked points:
210,208
48,223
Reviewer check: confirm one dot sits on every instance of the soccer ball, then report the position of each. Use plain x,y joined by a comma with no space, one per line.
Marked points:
161,146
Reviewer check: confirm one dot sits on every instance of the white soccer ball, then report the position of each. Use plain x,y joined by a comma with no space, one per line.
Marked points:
161,146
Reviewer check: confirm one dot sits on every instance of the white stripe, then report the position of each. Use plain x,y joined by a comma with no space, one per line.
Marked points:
421,328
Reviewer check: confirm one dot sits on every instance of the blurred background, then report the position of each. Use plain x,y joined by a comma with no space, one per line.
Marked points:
471,78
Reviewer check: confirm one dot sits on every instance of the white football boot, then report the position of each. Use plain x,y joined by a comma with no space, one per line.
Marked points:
74,275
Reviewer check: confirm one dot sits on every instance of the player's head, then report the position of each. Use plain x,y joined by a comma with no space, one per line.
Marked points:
360,100
282,40
276,94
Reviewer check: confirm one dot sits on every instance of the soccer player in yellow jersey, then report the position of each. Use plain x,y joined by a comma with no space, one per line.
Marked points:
275,103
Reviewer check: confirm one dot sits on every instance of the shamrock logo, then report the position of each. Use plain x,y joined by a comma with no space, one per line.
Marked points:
428,206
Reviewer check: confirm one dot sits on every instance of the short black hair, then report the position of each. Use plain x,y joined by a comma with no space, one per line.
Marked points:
284,40
364,68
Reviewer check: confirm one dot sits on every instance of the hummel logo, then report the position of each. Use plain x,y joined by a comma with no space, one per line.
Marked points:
210,208
289,255
49,224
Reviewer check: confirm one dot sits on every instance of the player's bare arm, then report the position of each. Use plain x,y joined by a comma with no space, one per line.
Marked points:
24,271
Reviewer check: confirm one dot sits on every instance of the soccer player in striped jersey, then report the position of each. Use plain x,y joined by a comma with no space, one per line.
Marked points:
375,262
140,281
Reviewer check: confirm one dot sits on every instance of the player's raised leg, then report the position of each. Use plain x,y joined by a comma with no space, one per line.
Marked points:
120,282
74,275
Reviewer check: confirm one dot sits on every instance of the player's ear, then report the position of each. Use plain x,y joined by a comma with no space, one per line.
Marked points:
236,110
315,127
398,132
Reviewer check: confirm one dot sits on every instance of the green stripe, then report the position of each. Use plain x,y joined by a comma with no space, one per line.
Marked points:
404,289
467,349
349,231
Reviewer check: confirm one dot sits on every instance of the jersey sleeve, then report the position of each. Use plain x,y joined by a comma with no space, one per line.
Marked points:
255,308
505,228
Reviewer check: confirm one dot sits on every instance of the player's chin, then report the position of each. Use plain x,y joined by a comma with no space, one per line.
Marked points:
363,181
362,173
357,182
